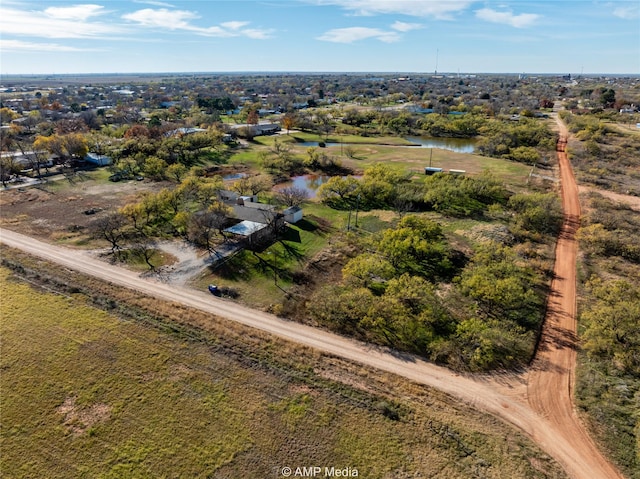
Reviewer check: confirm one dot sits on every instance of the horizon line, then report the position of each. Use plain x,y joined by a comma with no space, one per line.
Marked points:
311,72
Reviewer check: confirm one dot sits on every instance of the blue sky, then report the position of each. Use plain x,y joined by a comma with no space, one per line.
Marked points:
516,36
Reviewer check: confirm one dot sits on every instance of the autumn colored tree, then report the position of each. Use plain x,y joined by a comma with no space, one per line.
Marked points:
66,147
137,131
7,115
252,117
155,168
288,121
252,185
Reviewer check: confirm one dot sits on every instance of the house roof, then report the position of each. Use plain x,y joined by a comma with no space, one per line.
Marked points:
254,214
245,228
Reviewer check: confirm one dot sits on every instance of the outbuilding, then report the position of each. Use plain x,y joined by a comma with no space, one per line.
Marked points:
293,214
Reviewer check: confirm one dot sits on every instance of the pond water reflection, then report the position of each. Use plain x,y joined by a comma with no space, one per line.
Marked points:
309,183
459,145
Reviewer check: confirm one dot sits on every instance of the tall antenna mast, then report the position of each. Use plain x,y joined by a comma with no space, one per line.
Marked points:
437,52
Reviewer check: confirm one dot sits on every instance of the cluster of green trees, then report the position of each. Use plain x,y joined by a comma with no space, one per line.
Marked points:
535,215
608,381
381,187
604,156
488,309
611,324
586,127
458,126
487,317
526,140
143,150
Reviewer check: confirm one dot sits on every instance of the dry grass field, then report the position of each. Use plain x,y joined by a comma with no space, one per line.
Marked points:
156,390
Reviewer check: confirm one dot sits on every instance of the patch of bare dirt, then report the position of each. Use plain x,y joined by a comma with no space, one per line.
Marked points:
79,420
631,201
65,208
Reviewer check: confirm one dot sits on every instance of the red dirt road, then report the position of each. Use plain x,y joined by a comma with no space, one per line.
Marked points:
550,382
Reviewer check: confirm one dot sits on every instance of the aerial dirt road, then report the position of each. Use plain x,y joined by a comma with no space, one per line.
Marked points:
550,381
545,413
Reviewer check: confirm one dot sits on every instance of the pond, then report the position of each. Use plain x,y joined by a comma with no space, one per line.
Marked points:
459,145
233,176
309,183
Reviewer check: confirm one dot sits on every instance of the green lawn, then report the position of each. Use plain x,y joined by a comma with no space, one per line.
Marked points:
262,277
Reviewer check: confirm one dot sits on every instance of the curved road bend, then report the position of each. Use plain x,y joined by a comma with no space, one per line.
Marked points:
551,379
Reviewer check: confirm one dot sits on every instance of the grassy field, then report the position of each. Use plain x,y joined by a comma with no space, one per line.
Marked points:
393,151
136,395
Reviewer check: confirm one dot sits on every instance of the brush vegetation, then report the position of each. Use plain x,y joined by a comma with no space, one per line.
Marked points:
608,379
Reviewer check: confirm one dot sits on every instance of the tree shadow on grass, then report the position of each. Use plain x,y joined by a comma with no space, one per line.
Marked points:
233,269
292,251
291,234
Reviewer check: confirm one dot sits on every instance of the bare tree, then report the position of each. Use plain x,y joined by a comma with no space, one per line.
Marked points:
8,166
111,228
144,247
204,226
291,196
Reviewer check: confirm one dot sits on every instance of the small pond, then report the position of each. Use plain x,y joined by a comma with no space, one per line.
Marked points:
459,145
309,183
233,176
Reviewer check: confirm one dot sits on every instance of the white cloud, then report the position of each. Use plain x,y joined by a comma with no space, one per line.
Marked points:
181,20
406,27
20,46
154,3
163,18
75,12
234,25
257,34
442,9
628,12
353,34
40,24
508,18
